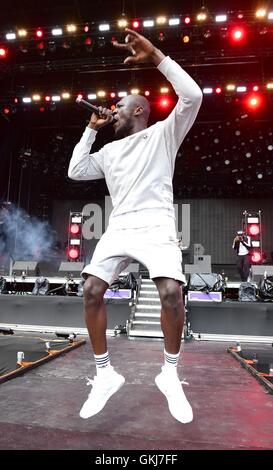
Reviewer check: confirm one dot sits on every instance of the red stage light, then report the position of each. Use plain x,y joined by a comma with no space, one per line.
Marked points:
237,35
254,101
39,33
255,88
164,103
256,257
253,229
47,98
6,110
136,24
218,90
3,53
187,20
146,93
75,229
112,94
73,253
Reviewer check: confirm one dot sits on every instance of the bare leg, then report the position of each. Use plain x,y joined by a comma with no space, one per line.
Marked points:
172,312
95,313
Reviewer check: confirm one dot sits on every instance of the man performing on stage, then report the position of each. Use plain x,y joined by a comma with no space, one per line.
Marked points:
138,168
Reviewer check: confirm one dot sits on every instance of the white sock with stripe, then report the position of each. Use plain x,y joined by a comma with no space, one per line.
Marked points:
102,362
170,361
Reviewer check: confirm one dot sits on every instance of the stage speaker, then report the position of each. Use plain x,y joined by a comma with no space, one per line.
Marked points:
204,282
27,268
74,267
259,271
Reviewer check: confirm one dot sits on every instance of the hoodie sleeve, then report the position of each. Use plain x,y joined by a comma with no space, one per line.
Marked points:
182,117
83,165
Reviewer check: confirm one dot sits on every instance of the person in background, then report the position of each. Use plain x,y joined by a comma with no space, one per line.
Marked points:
242,245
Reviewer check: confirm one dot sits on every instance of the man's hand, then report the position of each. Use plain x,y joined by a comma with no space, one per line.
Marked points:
104,118
142,49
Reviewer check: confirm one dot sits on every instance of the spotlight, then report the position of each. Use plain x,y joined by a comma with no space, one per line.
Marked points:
39,33
75,229
237,35
73,253
136,24
22,33
164,103
161,19
122,23
261,13
256,257
3,53
254,229
71,28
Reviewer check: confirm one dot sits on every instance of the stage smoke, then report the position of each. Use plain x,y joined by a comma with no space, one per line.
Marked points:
24,237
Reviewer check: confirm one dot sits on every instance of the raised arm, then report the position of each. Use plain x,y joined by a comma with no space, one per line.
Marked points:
188,92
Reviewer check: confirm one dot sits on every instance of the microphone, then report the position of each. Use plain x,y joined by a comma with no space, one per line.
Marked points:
85,104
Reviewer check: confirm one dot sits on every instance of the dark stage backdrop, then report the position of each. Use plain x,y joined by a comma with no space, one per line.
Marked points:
210,222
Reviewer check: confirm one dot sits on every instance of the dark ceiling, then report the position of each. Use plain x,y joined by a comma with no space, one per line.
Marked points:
224,131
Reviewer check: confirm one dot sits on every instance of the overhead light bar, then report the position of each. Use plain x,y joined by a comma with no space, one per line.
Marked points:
148,23
207,90
122,94
10,36
104,27
174,21
92,96
220,18
56,31
56,98
241,89
26,99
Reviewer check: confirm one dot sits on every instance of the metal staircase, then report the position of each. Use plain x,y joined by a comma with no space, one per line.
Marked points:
145,319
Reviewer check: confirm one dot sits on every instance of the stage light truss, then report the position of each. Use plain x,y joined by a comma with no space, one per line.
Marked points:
74,245
252,226
231,25
254,95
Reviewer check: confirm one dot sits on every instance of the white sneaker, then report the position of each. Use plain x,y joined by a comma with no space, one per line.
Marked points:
170,385
103,387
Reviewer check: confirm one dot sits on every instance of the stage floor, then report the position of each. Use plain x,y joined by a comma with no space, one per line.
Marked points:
39,410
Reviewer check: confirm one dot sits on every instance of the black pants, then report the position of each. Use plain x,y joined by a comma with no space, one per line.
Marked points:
243,267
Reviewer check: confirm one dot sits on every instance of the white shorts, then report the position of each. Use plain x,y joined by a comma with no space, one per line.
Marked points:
154,246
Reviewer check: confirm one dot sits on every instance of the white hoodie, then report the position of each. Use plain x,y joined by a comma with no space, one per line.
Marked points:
139,169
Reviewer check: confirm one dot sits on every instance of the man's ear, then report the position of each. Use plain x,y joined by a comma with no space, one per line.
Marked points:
138,110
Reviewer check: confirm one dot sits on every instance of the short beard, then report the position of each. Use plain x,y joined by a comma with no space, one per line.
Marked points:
122,131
